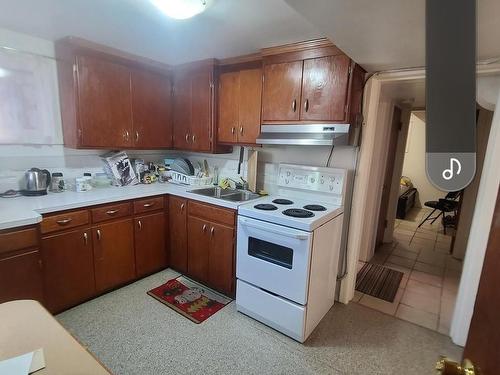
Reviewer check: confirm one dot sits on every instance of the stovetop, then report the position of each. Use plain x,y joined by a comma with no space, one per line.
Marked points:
300,213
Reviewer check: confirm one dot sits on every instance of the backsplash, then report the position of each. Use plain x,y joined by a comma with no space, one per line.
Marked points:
16,159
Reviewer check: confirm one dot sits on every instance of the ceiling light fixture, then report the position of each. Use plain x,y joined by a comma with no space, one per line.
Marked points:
181,9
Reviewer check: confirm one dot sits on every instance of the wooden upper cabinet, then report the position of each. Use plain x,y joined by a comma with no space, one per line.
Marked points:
105,117
240,106
325,88
151,96
228,120
282,87
193,108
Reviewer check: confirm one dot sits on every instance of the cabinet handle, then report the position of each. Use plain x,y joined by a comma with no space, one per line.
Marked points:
294,105
212,231
40,264
306,105
112,212
241,130
99,234
187,138
139,224
182,207
136,136
127,135
85,238
204,227
64,221
233,129
193,138
146,205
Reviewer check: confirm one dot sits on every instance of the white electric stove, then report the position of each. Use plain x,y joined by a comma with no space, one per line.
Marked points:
288,249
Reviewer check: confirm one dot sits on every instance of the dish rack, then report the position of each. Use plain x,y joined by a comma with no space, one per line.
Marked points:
181,178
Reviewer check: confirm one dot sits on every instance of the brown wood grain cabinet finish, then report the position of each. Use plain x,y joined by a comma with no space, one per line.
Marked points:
220,259
281,93
240,95
11,240
324,88
148,205
198,248
212,213
178,233
182,113
65,220
150,252
228,121
114,256
110,212
104,103
151,97
21,276
68,263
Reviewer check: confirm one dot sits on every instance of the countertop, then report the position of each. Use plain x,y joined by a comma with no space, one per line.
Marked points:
20,211
27,326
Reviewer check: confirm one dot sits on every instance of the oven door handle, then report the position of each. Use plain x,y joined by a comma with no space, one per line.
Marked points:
271,230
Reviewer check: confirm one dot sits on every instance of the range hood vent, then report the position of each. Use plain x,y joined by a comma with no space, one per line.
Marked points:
304,135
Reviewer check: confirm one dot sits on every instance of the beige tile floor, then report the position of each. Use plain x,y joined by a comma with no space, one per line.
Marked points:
429,286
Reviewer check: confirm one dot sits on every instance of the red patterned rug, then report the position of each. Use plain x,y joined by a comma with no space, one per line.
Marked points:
192,300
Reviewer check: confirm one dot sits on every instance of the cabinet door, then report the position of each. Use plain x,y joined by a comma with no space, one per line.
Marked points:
68,269
150,254
324,88
182,113
21,276
229,103
105,116
178,233
281,96
198,248
220,264
250,96
114,257
201,111
151,95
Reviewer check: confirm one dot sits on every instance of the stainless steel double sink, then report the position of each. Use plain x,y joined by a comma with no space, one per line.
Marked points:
232,195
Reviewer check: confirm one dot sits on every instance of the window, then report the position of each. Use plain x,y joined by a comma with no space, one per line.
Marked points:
29,108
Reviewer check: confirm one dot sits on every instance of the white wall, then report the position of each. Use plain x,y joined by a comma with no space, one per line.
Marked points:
414,162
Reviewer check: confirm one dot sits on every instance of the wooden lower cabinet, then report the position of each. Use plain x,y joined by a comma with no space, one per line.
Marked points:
21,276
198,248
221,258
178,233
211,254
68,262
150,252
114,257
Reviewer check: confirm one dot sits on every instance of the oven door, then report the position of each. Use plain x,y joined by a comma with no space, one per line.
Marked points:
274,258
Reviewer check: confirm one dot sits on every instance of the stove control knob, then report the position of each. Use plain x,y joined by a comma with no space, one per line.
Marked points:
313,180
287,181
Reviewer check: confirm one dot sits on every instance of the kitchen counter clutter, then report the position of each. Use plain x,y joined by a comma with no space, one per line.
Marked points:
21,211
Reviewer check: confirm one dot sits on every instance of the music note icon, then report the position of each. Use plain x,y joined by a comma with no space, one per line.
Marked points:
449,173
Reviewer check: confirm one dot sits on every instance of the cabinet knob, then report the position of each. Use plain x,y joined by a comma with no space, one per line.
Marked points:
139,224
85,238
306,105
294,105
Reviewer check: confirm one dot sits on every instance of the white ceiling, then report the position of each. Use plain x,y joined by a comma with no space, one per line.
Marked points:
390,34
228,28
378,34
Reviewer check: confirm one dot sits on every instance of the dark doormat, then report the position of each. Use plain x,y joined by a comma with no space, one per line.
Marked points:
378,281
190,299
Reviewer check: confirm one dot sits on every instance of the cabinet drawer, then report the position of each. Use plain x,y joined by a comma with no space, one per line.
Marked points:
211,213
148,204
110,211
17,240
57,222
